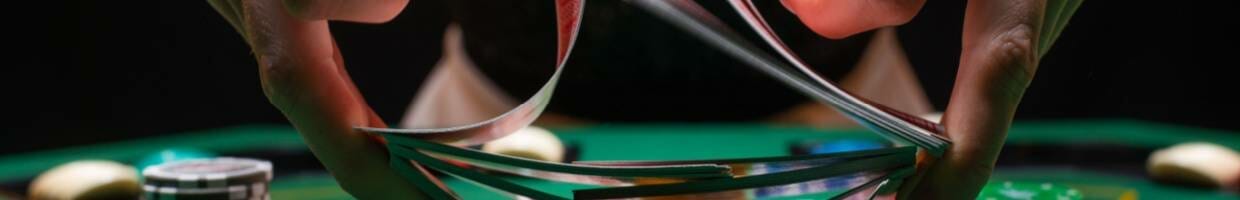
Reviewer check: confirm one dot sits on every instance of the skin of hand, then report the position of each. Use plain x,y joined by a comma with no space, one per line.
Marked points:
303,75
998,61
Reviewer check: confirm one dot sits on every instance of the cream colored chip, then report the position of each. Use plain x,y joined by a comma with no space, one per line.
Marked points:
87,179
1197,163
530,142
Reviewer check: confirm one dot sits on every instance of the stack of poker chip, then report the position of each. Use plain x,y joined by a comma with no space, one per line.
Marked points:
216,178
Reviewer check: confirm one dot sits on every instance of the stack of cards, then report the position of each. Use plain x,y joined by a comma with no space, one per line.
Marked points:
839,174
414,152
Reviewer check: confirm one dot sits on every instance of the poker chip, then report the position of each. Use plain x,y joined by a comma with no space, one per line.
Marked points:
217,178
256,191
530,142
87,179
1196,164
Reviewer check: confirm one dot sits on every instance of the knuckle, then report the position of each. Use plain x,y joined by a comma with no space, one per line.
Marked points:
1008,60
1017,53
1017,42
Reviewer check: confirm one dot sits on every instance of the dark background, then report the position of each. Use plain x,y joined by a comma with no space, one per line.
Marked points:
96,71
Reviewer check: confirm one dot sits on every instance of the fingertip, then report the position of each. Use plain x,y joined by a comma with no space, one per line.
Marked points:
840,19
365,11
827,28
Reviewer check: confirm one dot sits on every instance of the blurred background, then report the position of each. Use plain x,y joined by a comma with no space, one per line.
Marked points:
87,72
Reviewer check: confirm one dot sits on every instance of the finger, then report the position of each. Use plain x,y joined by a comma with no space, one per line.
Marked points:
303,77
838,19
369,11
998,60
230,12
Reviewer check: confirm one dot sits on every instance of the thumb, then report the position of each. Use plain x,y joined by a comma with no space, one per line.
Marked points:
997,62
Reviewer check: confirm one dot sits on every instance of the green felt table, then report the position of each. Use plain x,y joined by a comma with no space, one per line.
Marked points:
672,141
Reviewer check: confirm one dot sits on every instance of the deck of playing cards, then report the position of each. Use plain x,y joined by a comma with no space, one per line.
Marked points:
861,173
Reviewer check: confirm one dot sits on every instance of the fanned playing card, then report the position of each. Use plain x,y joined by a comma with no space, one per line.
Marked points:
416,152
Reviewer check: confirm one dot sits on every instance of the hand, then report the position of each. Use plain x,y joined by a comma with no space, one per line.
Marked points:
303,75
998,60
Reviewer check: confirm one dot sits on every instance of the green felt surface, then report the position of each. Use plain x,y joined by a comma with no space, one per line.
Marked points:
1100,185
660,142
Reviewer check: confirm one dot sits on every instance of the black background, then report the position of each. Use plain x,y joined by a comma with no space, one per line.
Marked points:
84,72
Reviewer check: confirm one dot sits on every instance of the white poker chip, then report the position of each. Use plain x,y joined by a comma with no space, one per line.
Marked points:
256,191
530,142
1196,163
208,173
87,179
